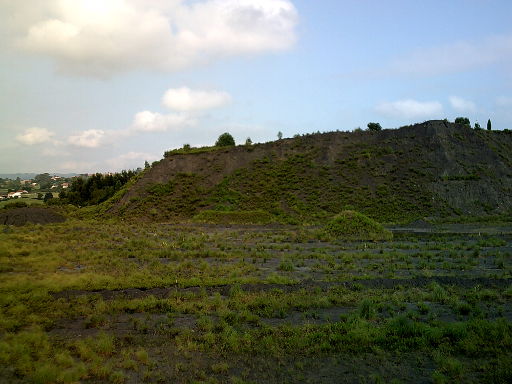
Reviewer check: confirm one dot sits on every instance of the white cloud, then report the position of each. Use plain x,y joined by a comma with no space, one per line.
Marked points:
147,121
143,122
462,105
186,99
410,109
35,135
130,160
103,37
92,138
457,57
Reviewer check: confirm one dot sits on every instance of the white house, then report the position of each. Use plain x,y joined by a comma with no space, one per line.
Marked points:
13,195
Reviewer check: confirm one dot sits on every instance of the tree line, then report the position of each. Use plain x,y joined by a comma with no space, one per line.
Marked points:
96,188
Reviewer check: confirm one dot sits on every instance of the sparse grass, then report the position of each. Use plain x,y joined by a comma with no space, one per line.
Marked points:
234,217
217,300
354,225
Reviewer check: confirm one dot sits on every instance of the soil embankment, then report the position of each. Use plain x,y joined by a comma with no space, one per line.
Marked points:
430,169
34,215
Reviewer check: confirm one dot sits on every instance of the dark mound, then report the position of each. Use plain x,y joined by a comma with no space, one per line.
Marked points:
433,169
35,215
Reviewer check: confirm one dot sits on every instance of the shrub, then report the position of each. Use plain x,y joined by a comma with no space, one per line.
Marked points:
374,127
354,225
366,309
225,140
15,204
464,121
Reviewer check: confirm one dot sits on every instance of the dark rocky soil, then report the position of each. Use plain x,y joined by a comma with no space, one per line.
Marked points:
34,215
429,169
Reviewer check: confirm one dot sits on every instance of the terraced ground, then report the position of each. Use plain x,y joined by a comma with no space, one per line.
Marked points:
120,303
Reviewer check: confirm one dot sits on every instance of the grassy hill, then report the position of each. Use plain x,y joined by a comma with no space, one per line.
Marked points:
431,169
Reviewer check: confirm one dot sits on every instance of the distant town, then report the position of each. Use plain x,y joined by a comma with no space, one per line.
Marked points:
37,187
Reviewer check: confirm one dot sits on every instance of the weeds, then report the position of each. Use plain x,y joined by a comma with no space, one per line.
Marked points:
211,294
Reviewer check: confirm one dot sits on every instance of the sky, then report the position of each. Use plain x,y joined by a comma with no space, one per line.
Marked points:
104,85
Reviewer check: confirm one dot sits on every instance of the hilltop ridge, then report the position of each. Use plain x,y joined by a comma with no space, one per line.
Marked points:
434,168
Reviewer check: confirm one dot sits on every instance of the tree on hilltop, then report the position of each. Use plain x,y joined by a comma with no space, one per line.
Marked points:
225,140
489,125
374,127
464,121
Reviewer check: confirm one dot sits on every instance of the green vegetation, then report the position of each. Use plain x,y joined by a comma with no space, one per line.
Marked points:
29,200
116,303
463,121
221,265
374,127
225,140
310,178
489,125
112,302
96,188
354,225
18,203
234,217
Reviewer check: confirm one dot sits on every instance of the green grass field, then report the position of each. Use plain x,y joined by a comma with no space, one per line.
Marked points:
29,199
110,302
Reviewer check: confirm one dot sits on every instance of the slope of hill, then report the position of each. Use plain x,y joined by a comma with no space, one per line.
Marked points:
431,169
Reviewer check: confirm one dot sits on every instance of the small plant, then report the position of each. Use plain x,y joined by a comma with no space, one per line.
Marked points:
142,356
220,368
367,309
286,265
117,377
354,225
423,308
